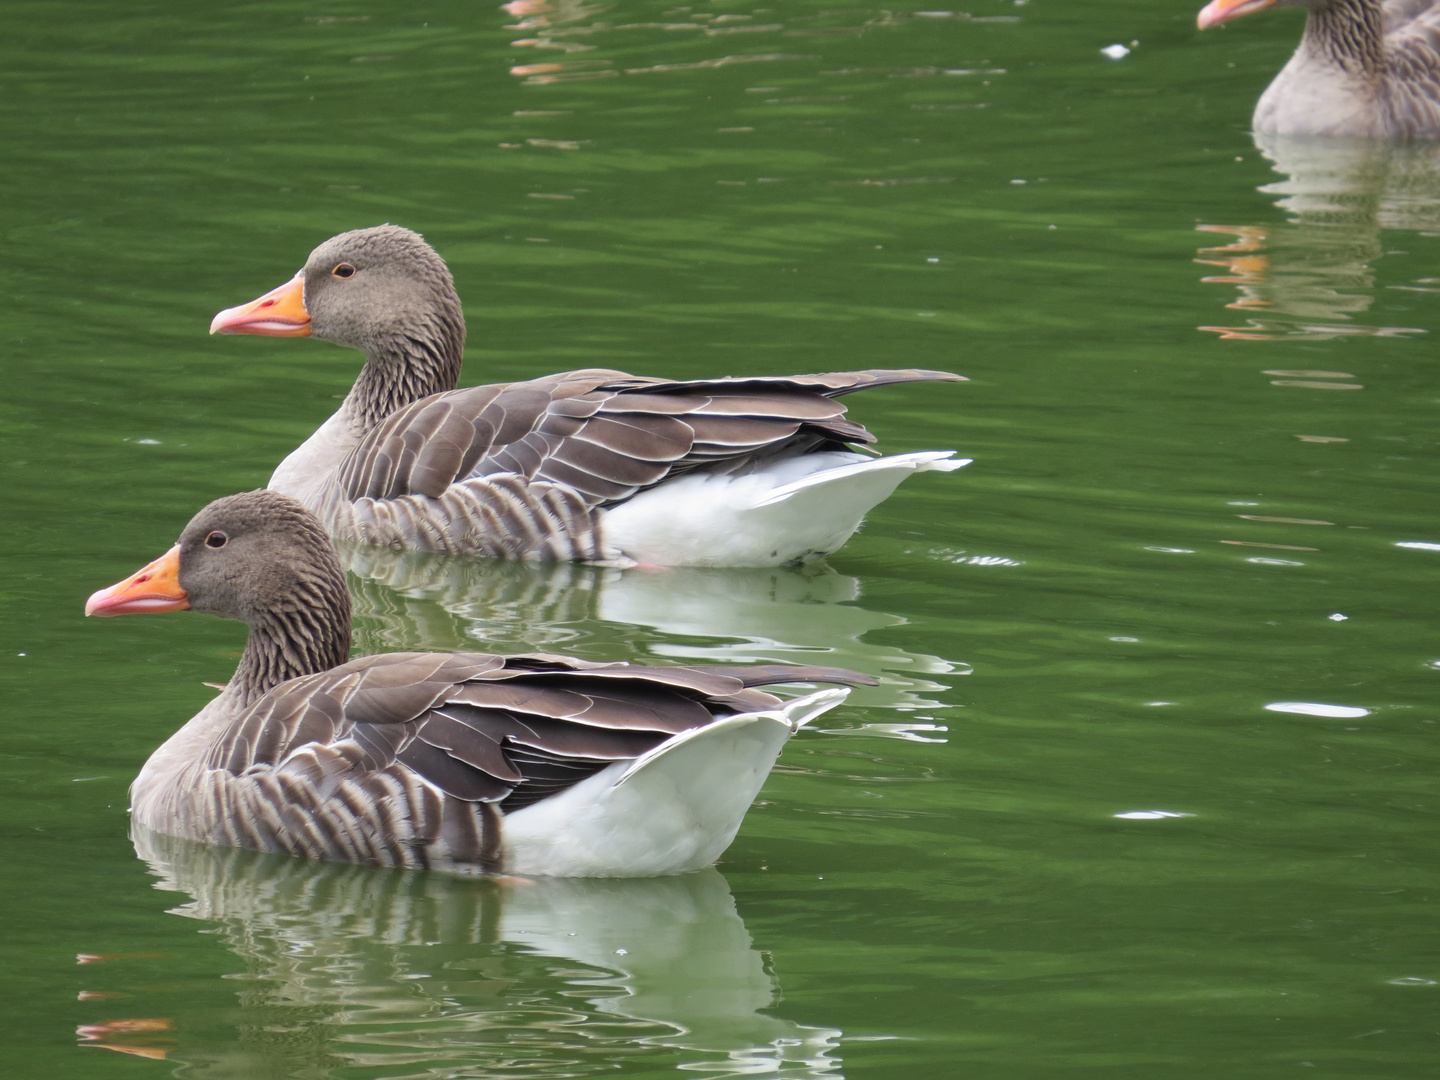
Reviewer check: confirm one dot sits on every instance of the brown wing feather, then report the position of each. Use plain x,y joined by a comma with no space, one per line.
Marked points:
1403,15
482,728
770,674
603,433
1412,57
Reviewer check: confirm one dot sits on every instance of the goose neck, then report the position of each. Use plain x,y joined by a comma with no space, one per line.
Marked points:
407,366
1348,34
304,639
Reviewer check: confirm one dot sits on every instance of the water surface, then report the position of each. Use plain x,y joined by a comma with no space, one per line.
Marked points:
1067,834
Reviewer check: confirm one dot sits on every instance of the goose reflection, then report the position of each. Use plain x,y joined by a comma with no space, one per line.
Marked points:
810,614
1311,277
410,974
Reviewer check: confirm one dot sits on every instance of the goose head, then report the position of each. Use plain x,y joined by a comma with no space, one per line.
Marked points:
364,289
258,557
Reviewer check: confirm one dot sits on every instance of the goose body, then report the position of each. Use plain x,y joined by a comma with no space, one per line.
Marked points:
1364,68
593,465
471,763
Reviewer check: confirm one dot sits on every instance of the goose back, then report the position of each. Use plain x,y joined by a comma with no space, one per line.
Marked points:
531,468
427,760
1412,51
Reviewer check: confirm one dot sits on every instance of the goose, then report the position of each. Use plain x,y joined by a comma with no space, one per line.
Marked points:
591,466
1364,68
534,765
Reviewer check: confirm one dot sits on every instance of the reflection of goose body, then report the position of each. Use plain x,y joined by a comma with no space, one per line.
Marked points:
467,762
430,973
798,615
1364,68
1355,183
1310,277
593,466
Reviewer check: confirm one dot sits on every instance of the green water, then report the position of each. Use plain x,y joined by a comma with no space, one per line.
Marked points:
1088,622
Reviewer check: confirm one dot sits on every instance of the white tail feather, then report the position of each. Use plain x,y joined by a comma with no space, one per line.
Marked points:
794,714
921,461
793,510
673,809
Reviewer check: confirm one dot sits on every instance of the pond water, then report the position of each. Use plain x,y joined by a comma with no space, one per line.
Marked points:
1149,785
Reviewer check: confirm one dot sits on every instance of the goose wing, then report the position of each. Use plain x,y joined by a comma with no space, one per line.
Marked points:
1412,53
505,730
1399,15
605,435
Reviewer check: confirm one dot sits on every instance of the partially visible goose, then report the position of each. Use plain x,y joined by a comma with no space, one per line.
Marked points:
1364,68
465,762
593,465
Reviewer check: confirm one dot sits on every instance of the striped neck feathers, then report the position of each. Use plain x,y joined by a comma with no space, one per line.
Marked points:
406,365
307,634
1348,34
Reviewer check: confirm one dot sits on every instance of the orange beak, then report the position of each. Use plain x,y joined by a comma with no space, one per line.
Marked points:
1219,11
279,313
153,588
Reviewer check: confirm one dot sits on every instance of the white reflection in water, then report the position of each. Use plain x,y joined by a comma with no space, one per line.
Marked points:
1418,545
1310,708
1151,815
917,732
800,615
1312,278
409,974
960,558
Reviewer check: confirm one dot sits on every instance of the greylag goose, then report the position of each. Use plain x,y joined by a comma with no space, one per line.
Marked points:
537,764
1364,68
593,466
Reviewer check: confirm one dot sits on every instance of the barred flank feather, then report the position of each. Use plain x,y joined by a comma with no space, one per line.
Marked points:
526,470
401,761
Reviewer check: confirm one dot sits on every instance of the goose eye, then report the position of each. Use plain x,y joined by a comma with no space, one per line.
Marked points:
216,540
344,270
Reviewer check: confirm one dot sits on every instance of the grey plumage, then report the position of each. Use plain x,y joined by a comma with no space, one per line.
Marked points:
1364,68
524,470
521,470
401,759
390,759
